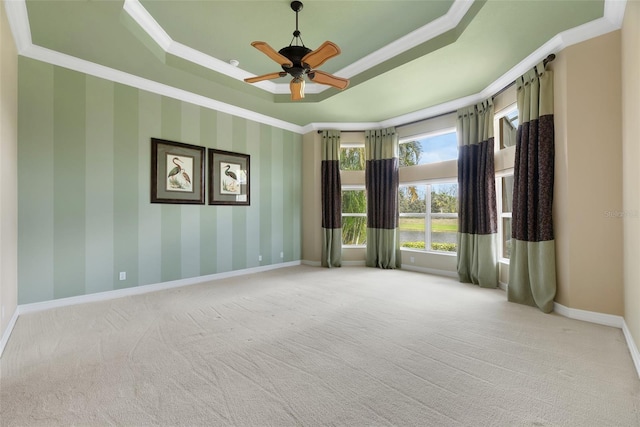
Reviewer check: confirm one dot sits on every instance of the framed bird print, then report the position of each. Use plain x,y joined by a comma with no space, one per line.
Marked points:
177,172
228,178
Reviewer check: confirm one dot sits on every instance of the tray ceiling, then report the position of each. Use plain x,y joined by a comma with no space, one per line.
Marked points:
404,58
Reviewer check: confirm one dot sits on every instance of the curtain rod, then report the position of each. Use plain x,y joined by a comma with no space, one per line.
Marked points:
545,61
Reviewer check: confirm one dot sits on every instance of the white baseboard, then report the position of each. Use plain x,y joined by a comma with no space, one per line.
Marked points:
7,333
119,293
435,271
503,286
589,316
633,348
312,263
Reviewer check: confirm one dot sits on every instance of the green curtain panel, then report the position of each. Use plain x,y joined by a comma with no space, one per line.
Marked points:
477,218
532,269
382,181
331,200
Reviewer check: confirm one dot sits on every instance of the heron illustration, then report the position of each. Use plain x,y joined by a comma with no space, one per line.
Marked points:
178,169
229,173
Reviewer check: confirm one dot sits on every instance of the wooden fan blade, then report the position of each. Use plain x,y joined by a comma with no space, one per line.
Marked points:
328,79
319,56
265,77
272,53
297,89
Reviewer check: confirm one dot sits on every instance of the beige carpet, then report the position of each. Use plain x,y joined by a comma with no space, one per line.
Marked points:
305,346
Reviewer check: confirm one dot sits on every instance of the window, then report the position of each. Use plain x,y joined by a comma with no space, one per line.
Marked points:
352,158
431,148
434,228
505,188
506,126
354,217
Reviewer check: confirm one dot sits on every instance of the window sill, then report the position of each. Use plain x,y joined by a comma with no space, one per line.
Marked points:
422,251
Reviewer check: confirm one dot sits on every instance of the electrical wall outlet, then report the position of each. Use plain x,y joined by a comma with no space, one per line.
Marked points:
259,257
281,254
123,275
412,260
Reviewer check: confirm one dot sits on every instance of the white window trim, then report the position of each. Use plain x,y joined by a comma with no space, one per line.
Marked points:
429,134
428,215
352,214
501,215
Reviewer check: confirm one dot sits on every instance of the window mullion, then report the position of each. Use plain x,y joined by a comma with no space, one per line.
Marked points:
427,218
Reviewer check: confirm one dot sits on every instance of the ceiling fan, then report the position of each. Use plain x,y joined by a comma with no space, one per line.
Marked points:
300,61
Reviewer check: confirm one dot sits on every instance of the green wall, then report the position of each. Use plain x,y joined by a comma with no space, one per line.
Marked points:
84,194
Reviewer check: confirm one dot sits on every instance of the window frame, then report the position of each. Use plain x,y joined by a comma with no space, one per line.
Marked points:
502,215
425,135
505,112
427,216
352,214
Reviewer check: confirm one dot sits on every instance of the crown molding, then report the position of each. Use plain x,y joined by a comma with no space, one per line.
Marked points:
19,23
433,29
611,21
117,76
145,20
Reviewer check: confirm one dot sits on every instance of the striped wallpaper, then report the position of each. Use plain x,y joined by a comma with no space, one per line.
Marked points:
84,193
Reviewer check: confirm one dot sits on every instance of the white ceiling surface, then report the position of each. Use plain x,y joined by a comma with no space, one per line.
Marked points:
19,22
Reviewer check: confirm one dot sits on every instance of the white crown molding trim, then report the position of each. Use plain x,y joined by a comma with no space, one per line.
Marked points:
19,22
433,29
450,20
612,20
614,11
7,333
76,64
345,127
633,348
148,23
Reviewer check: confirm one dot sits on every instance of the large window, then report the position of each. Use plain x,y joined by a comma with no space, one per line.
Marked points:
429,216
432,148
354,217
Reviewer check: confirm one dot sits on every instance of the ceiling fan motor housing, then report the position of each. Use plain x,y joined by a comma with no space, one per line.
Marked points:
295,55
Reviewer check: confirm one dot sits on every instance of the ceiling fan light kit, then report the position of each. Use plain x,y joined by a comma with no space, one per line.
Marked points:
299,61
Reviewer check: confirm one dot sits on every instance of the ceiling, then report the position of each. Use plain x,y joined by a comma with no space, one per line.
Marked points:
406,59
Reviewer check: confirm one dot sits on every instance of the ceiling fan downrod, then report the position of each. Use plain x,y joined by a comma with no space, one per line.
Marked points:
296,6
295,52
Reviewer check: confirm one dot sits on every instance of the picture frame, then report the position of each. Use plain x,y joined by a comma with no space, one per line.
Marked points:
229,178
177,172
